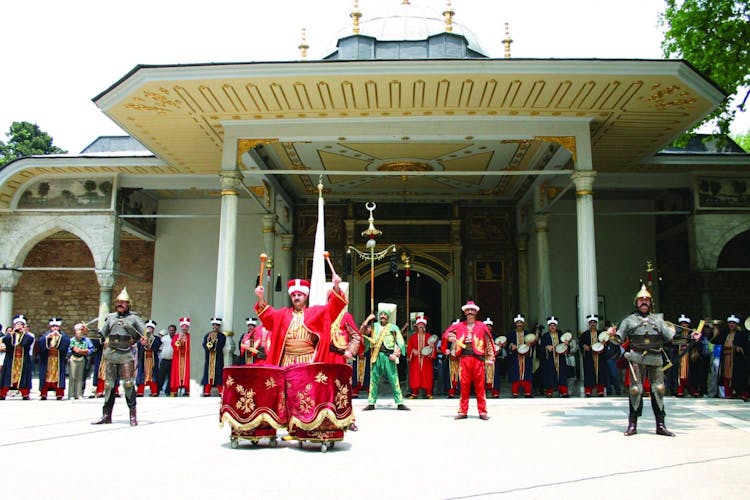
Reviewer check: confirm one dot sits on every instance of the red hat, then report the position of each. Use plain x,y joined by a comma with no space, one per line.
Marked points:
298,285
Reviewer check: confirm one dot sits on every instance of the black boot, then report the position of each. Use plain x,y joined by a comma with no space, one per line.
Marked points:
632,424
106,417
133,420
661,429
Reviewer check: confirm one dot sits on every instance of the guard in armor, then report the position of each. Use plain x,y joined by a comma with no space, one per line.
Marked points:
53,352
120,331
213,366
148,361
646,332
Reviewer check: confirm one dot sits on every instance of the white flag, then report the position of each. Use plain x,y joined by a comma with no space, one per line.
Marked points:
318,279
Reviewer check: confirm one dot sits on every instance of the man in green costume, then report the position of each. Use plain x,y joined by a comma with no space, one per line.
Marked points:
386,343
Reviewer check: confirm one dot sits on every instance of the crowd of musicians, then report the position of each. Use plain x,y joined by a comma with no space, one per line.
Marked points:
527,359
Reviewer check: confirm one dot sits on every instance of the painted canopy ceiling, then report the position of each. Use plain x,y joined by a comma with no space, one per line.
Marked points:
407,116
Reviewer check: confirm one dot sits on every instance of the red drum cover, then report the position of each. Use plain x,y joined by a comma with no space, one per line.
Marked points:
319,396
253,397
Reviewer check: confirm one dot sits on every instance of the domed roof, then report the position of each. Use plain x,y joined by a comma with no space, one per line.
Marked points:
408,21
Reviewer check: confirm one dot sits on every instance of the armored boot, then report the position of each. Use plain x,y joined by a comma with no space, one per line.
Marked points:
106,417
661,429
133,419
632,424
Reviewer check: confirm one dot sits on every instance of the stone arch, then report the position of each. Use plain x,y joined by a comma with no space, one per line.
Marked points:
22,233
713,232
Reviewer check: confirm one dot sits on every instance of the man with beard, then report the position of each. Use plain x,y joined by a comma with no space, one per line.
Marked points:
16,373
121,330
646,332
213,366
386,343
300,334
53,352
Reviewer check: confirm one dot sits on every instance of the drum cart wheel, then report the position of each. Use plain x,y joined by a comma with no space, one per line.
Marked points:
234,443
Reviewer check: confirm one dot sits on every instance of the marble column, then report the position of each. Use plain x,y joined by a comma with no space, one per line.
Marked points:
523,274
587,281
8,281
544,294
224,304
106,280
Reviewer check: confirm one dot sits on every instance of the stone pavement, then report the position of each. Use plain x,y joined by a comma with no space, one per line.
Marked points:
531,448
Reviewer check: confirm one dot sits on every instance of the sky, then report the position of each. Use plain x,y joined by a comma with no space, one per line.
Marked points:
58,55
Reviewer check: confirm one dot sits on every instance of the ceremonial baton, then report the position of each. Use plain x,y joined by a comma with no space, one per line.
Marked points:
327,257
263,258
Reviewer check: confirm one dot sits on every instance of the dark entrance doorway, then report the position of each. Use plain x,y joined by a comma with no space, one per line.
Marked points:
424,296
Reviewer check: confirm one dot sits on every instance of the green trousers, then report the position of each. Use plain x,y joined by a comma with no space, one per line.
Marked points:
387,367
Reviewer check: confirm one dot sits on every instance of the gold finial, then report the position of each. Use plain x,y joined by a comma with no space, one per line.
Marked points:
320,186
303,46
448,14
355,15
507,41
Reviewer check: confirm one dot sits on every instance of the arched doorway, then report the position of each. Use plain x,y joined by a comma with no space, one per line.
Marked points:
424,296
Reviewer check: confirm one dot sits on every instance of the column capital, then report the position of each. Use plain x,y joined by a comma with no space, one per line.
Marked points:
287,240
106,278
523,242
230,182
269,223
541,223
9,279
584,181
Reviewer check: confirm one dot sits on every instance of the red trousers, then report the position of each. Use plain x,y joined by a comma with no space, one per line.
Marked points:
521,384
141,388
51,386
472,373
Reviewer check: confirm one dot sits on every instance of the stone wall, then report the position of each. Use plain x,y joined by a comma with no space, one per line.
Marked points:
74,295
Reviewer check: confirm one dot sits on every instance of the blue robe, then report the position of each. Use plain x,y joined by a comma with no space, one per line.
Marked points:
140,377
592,377
221,339
552,376
62,355
26,368
514,360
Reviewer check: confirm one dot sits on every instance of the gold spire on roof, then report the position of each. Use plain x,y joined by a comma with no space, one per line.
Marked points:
449,13
355,15
507,41
303,46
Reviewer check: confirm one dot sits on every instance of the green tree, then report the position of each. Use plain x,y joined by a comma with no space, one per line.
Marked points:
713,36
26,139
743,140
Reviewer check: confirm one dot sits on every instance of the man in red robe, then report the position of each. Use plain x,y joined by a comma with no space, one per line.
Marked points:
300,334
420,356
180,376
473,344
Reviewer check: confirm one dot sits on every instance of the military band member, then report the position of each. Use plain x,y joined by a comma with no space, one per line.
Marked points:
454,363
300,334
53,352
16,373
213,359
386,343
345,339
474,345
684,353
79,350
553,363
121,330
179,378
735,363
646,332
520,364
97,368
493,371
421,355
252,348
594,362
148,361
